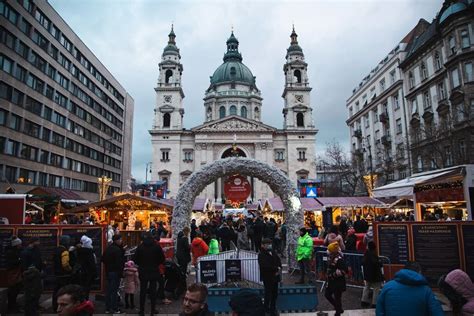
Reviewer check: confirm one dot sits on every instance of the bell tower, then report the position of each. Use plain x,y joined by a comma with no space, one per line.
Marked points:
297,113
169,109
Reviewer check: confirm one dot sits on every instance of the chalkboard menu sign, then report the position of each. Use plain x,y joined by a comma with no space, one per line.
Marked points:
393,242
468,239
48,242
233,271
436,249
94,233
5,241
208,271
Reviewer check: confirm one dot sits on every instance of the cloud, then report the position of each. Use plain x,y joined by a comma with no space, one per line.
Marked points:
342,42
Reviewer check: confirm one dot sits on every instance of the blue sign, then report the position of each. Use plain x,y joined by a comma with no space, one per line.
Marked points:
311,192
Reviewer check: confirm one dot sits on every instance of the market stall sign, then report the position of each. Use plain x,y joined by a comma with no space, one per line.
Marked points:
237,188
393,242
439,192
208,271
233,270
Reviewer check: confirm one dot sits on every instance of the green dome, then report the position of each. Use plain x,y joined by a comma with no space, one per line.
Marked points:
233,71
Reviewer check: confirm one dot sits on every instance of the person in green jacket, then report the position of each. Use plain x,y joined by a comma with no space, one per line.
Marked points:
213,246
304,253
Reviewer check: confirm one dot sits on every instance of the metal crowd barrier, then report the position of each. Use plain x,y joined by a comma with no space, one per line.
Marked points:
250,269
355,276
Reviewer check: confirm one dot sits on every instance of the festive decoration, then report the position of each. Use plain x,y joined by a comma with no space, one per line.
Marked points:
279,183
104,184
132,218
369,181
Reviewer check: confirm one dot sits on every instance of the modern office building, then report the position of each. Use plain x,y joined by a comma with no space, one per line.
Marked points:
64,119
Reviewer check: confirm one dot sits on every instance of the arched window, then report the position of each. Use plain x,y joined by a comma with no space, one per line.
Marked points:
233,110
166,120
209,113
168,75
243,111
233,72
300,120
222,112
297,74
419,164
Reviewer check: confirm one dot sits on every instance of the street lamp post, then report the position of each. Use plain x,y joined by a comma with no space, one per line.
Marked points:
148,165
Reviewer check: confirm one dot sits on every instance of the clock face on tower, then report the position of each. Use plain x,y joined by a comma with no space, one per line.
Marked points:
167,98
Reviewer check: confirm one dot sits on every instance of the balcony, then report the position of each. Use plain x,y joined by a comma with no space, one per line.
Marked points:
386,140
358,133
383,118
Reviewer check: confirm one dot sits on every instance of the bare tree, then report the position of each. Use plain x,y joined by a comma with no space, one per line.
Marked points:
342,174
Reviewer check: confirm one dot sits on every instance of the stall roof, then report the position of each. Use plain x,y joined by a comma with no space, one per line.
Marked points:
111,202
349,201
308,204
275,204
66,196
404,188
200,204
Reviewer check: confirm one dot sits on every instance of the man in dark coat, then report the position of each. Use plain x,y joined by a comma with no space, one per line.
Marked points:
114,262
194,301
360,225
193,229
148,257
183,250
13,272
225,235
270,274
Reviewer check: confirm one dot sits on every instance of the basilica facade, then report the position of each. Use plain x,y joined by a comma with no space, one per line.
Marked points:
232,111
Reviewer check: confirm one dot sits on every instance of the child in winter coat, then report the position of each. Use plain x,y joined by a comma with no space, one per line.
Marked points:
213,246
131,283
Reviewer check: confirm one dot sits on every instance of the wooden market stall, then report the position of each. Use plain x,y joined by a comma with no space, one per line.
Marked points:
133,214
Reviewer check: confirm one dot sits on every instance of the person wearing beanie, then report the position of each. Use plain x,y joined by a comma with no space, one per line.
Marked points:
372,275
246,302
86,260
336,274
62,267
13,272
114,262
304,253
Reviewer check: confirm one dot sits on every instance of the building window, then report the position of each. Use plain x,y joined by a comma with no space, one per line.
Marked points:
188,156
455,77
31,129
14,122
468,71
28,152
279,155
256,113
414,106
423,71
398,122
54,181
302,154
165,155
396,104
297,74
441,92
243,112
300,120
419,164
27,176
376,115
382,85
10,174
449,156
392,76
426,100
233,110
452,45
6,64
168,76
12,148
411,80
437,61
166,120
367,121
462,149
222,112
465,42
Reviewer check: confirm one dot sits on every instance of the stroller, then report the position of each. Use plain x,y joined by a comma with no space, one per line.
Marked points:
175,280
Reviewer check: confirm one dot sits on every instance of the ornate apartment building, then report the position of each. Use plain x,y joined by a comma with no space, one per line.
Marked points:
414,111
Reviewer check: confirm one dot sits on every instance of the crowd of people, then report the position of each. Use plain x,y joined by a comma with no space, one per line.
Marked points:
148,272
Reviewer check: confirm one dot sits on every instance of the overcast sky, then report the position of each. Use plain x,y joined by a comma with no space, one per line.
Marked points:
342,41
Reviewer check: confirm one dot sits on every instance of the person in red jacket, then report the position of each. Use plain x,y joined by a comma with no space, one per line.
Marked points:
198,247
71,302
